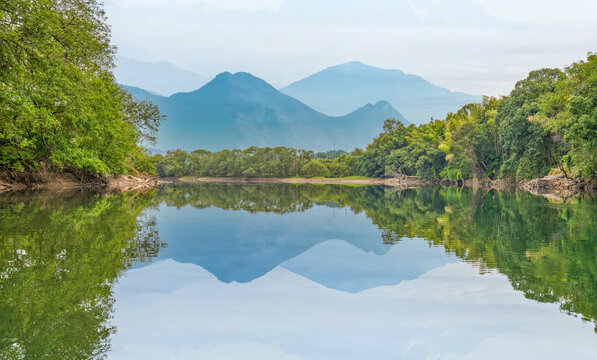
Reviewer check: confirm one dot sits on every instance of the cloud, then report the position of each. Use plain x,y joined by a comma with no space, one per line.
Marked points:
235,5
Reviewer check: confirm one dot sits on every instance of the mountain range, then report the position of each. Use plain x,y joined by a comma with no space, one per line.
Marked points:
341,107
240,110
338,249
342,88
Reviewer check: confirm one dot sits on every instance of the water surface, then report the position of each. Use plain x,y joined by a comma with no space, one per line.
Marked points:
297,271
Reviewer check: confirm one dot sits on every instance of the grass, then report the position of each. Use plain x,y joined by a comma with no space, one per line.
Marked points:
355,178
333,178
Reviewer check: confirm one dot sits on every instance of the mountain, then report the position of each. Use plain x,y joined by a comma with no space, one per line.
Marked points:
332,246
337,264
240,110
339,89
141,93
159,77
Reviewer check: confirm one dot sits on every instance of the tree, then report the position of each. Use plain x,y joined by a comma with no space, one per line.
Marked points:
581,132
315,168
60,108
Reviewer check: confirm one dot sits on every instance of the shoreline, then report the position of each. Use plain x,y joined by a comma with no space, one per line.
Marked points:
546,186
59,182
549,186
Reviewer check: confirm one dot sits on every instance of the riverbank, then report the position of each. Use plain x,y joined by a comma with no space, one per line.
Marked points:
14,181
549,185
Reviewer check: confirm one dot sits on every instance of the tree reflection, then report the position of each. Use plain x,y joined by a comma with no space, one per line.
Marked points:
59,257
547,249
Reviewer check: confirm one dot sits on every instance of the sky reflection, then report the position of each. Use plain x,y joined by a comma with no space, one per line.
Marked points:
170,310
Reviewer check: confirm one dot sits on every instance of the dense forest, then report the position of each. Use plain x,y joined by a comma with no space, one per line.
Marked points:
60,108
548,124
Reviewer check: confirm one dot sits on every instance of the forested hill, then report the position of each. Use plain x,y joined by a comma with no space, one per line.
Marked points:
241,110
341,88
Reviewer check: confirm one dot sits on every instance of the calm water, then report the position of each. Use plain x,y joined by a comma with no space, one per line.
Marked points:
281,271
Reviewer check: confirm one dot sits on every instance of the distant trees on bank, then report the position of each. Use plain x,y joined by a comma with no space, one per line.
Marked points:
252,162
548,124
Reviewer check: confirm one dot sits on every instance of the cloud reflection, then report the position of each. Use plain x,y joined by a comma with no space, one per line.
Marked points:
170,310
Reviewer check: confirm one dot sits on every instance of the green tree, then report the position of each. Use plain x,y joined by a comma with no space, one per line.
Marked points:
315,168
581,132
60,108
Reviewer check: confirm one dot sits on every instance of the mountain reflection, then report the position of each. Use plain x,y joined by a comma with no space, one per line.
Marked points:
61,254
548,249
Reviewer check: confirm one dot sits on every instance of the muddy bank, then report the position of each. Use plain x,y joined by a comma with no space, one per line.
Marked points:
545,186
10,181
550,185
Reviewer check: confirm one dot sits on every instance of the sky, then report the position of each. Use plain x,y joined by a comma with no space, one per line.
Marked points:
480,47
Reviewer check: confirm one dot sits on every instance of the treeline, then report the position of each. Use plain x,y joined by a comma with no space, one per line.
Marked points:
252,162
548,124
60,108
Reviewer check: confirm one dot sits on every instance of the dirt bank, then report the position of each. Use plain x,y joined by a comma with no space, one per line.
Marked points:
10,181
550,185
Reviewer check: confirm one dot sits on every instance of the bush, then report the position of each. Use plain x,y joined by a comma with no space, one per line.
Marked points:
315,168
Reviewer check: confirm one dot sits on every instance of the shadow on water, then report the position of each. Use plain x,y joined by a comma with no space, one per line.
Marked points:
62,253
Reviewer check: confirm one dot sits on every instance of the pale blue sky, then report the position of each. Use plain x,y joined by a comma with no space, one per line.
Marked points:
476,46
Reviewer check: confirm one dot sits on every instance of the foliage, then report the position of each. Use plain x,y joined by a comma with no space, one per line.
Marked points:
251,162
60,108
547,123
315,168
332,154
59,258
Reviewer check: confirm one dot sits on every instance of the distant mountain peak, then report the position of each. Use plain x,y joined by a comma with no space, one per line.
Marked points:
383,104
357,66
240,79
159,77
381,109
223,75
339,89
352,64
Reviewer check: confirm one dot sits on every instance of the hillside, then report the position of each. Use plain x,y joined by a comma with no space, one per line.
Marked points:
339,89
240,110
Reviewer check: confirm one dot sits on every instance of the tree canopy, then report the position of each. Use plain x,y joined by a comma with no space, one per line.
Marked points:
548,123
60,108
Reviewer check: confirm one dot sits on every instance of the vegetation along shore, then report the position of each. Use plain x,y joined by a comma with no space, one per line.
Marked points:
542,137
65,120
